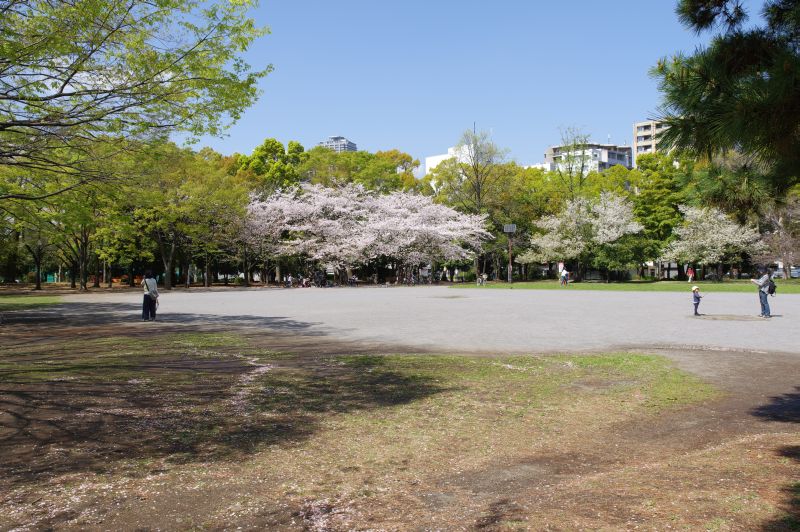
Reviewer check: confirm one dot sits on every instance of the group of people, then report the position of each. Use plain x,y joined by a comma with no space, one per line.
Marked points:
766,288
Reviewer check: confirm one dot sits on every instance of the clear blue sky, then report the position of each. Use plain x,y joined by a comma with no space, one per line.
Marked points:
414,75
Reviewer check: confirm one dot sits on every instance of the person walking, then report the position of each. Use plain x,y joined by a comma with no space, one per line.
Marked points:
696,297
763,291
150,286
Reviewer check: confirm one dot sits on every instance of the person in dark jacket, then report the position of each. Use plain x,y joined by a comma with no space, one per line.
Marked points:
150,286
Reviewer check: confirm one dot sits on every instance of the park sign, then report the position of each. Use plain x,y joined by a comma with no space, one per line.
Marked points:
509,228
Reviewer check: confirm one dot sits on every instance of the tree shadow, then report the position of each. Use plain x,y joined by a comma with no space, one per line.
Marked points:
785,408
67,316
790,518
181,410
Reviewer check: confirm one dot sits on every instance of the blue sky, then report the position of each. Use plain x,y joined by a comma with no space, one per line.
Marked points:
414,75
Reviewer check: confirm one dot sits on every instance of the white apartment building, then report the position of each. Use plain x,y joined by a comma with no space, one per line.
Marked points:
452,153
338,144
645,137
593,158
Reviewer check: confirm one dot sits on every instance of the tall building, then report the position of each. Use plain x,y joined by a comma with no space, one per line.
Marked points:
593,158
645,137
452,153
338,144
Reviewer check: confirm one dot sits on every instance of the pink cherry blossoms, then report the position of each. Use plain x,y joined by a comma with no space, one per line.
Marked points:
349,226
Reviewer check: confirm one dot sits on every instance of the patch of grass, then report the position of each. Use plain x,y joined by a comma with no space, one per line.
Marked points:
9,303
652,377
201,340
784,286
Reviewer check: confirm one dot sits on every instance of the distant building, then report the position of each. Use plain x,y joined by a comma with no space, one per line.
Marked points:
452,153
547,167
338,144
645,137
594,157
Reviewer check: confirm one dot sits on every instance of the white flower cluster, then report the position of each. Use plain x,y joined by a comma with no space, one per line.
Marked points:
708,234
581,224
349,226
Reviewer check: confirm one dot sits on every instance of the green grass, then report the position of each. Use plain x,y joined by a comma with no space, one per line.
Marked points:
743,286
24,302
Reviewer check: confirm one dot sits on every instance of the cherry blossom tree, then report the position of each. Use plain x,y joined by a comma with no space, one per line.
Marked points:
415,230
586,231
348,226
708,235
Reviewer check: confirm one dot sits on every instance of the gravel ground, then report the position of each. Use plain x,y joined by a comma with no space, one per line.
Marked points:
445,319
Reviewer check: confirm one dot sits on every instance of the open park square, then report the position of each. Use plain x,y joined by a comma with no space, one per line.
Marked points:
425,408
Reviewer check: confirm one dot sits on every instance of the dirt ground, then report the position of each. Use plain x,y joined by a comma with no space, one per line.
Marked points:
350,446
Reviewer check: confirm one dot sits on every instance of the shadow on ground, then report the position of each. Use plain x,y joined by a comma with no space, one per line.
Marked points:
81,315
790,520
178,409
784,408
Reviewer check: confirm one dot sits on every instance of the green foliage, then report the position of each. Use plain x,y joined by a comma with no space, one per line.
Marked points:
742,92
80,77
187,201
656,201
383,171
274,167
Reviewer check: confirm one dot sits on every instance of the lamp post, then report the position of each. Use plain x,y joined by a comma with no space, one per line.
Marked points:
510,229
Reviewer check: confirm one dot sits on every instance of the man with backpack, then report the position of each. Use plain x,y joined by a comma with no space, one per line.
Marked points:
766,287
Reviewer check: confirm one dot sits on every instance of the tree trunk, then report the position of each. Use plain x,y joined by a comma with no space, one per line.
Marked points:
109,274
10,269
246,267
72,275
167,258
97,274
131,282
38,262
207,274
83,268
168,274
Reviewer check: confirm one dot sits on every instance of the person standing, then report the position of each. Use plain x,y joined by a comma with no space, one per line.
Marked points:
696,297
150,286
690,274
763,292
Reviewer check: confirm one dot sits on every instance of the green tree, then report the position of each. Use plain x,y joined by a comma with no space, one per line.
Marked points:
473,181
188,205
572,159
383,171
274,166
741,93
733,185
78,74
659,194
